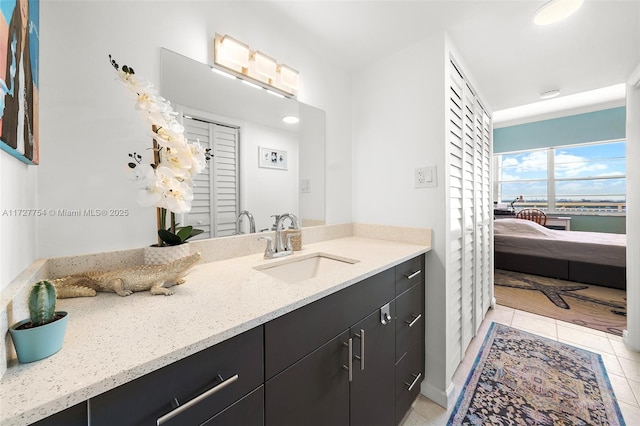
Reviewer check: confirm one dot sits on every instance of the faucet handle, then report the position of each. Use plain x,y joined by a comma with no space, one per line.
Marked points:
268,251
290,235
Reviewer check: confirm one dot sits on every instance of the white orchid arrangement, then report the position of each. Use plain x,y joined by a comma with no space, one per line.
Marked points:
167,183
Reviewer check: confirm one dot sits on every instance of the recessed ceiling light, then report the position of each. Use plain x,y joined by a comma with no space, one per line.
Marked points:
290,119
549,94
555,11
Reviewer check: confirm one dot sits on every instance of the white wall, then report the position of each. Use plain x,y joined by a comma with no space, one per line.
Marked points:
88,124
17,232
264,191
399,125
632,333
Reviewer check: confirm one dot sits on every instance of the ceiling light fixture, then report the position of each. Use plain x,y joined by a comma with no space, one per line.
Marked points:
555,11
290,119
236,58
549,94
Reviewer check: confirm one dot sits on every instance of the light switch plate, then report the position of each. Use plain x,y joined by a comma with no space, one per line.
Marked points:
425,177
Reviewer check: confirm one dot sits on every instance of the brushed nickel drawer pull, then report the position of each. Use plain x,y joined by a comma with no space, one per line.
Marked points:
415,274
415,380
361,357
171,414
412,323
349,367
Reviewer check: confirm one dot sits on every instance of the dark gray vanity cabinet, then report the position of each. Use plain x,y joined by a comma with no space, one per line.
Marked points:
355,357
410,334
311,378
190,391
247,411
307,363
372,388
313,391
72,416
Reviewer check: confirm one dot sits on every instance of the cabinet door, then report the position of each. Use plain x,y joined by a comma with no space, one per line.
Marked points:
313,391
372,388
294,335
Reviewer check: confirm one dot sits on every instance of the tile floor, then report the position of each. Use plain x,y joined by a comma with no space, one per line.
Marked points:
623,366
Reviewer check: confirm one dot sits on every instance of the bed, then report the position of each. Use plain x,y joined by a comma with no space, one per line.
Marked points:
587,257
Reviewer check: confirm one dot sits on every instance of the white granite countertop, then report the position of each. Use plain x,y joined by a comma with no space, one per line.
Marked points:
111,340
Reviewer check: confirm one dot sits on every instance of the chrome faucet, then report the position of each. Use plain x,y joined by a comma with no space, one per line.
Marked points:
252,222
280,246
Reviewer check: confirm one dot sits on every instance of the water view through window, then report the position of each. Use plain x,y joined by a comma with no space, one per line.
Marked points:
577,178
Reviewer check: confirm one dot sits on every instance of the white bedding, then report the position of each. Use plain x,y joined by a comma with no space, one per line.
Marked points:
520,236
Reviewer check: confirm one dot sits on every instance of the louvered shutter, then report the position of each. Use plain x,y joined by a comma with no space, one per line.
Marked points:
215,204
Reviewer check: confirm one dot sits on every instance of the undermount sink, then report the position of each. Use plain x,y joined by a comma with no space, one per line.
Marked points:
305,267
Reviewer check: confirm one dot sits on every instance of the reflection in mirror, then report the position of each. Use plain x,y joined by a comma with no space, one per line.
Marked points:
261,164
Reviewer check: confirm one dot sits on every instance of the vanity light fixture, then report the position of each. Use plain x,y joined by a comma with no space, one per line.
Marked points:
251,84
236,58
277,95
555,11
233,54
289,77
223,73
265,67
550,94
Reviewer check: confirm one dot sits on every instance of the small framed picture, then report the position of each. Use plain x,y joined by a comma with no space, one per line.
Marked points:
272,158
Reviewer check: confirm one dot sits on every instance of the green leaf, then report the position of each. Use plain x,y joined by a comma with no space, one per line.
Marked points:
195,232
184,232
169,238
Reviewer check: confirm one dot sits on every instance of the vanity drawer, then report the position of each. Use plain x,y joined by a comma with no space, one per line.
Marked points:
233,368
409,375
410,319
72,416
249,411
296,334
409,273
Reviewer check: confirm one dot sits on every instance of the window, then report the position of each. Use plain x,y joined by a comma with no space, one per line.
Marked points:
576,178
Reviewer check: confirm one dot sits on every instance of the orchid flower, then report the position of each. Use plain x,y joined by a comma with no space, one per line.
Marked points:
167,184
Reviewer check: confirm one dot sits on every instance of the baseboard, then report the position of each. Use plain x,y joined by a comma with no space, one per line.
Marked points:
443,398
630,345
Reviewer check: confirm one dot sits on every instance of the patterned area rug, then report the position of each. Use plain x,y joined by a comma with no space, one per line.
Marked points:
592,306
522,379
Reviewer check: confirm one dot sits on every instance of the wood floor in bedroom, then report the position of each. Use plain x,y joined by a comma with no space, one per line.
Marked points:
592,306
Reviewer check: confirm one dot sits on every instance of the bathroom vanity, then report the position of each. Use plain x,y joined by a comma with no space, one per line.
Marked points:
236,346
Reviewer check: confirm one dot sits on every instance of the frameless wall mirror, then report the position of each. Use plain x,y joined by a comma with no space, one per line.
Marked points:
261,163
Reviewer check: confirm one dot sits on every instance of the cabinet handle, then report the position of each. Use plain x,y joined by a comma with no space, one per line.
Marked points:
361,357
349,366
415,274
171,414
412,323
415,380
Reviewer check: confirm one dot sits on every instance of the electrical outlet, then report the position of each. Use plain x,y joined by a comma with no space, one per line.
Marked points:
425,177
305,186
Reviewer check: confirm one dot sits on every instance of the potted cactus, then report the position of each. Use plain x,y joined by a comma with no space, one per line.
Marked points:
42,334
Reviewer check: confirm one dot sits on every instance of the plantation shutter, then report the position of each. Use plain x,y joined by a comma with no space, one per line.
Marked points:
455,269
215,204
469,269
